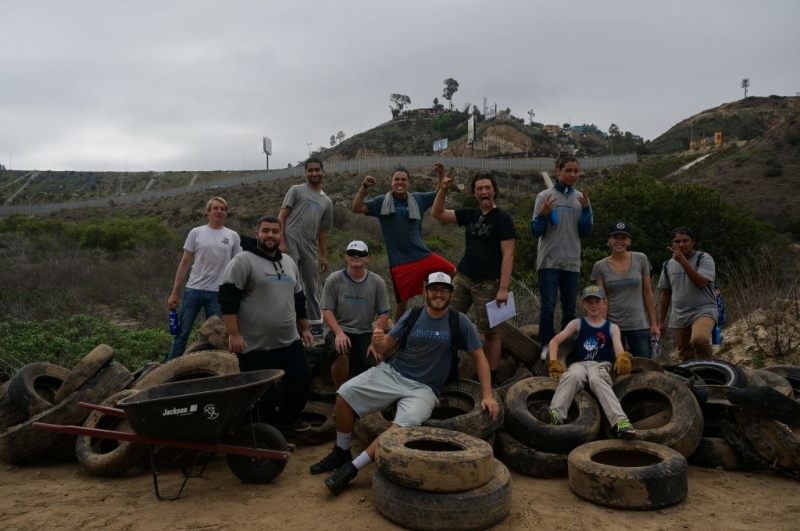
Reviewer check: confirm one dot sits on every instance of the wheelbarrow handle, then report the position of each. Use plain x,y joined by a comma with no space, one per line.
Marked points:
110,411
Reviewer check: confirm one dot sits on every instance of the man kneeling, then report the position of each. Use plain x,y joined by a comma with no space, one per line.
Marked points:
414,378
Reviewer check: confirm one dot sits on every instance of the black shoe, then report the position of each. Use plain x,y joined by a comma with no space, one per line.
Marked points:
337,481
332,461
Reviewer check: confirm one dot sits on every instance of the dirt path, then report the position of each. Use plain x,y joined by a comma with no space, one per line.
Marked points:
61,496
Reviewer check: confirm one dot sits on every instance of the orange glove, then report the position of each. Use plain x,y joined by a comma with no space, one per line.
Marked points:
623,363
555,369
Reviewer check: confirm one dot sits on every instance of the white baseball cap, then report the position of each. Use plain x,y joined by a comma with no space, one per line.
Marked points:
357,245
439,278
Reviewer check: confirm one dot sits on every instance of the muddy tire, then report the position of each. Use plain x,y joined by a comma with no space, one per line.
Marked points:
470,510
791,373
777,382
684,427
323,427
251,469
459,409
213,332
529,461
23,443
321,390
753,378
191,366
107,457
466,367
715,452
85,370
198,346
34,388
518,344
767,442
717,372
434,460
525,397
767,402
143,370
521,374
10,415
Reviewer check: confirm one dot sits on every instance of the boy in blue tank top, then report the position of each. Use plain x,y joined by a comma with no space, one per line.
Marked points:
598,343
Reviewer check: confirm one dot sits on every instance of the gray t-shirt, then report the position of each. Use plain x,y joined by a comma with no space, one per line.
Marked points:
267,317
355,304
560,246
624,291
212,250
688,301
426,357
310,212
401,234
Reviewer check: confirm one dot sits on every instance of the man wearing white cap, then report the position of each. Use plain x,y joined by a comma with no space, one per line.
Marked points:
414,378
351,299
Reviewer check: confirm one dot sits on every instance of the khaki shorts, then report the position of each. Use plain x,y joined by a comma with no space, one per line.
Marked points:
468,292
380,387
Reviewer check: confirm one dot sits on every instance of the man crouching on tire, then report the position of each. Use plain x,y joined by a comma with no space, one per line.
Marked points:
597,344
414,378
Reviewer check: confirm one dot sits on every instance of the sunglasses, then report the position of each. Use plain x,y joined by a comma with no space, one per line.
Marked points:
353,253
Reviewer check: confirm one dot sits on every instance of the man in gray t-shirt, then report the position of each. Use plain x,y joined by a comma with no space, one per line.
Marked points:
351,299
687,284
414,379
306,216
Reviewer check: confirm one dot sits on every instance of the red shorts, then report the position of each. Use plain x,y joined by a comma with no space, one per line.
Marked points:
409,279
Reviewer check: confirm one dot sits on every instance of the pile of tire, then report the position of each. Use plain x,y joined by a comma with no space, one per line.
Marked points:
539,449
439,480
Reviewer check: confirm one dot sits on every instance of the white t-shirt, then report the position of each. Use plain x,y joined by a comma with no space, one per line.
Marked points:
212,250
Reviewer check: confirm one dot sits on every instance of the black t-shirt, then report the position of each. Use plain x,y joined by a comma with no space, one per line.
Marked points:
483,257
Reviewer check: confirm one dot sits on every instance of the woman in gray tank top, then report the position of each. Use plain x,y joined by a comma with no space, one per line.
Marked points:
625,276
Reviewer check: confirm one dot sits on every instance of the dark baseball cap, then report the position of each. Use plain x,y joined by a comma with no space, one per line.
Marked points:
620,227
593,291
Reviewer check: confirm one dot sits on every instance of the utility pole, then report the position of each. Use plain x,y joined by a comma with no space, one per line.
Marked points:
243,166
309,144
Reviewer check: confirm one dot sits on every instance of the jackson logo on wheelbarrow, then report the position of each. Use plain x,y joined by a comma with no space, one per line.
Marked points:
179,411
211,412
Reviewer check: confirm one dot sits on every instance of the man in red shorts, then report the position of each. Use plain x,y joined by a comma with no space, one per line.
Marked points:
400,215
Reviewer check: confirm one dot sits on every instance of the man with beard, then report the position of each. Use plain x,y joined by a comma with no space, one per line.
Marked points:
306,216
400,214
207,250
414,378
264,309
485,271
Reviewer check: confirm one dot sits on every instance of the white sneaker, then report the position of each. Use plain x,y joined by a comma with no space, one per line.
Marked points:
545,352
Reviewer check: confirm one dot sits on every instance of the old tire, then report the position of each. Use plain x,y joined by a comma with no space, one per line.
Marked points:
717,372
320,390
34,388
198,346
683,428
471,510
323,427
715,452
767,402
791,373
107,457
628,474
518,344
434,460
765,441
529,461
459,409
22,442
10,415
85,370
777,382
521,374
252,469
191,366
466,367
143,370
753,378
525,397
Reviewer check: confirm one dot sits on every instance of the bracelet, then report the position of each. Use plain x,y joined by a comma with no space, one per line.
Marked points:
363,185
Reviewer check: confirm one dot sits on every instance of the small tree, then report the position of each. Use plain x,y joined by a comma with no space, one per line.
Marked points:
531,116
333,140
450,88
340,136
399,101
746,85
613,130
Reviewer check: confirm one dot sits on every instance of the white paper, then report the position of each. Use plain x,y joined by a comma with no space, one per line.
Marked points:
505,312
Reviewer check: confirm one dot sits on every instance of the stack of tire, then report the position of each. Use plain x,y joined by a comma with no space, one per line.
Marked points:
437,480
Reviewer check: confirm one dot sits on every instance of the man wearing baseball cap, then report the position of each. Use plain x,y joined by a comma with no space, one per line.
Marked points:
414,378
351,299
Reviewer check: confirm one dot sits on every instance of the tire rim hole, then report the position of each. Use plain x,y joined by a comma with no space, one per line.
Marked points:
428,445
315,419
625,458
646,404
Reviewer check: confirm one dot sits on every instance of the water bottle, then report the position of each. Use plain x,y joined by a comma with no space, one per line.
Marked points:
655,348
716,336
554,217
173,322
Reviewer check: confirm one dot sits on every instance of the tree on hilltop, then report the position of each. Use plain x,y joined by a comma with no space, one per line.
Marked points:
399,101
333,140
340,136
746,85
450,88
531,116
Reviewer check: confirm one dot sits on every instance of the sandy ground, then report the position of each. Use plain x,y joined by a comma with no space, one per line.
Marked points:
62,496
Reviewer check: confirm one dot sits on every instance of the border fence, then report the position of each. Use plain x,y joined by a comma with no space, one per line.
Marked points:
416,162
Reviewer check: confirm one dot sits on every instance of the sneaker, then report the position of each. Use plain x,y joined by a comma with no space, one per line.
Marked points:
548,416
545,352
625,430
337,481
317,330
332,461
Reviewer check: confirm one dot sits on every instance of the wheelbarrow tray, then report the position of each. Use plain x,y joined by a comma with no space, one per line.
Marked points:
204,410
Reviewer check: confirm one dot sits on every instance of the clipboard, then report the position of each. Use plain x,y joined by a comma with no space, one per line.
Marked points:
503,313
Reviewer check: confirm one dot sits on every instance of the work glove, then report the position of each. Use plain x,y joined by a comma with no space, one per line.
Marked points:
623,363
555,369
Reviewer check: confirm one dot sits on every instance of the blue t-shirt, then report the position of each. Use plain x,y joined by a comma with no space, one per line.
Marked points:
594,343
426,357
402,236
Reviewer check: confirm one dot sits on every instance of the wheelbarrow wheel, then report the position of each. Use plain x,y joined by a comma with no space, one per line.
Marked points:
254,469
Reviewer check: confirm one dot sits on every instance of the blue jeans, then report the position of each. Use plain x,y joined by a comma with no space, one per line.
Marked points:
552,281
638,342
193,301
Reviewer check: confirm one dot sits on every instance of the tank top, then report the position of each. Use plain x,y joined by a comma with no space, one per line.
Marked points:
594,343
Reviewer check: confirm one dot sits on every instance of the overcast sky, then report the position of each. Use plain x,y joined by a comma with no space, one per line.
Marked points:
195,84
